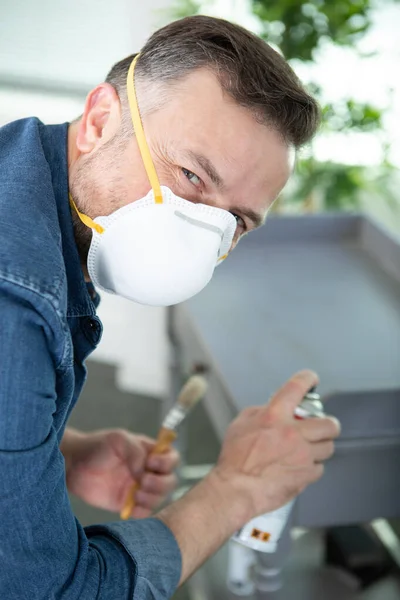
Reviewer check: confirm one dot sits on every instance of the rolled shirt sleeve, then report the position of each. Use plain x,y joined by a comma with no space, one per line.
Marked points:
45,553
154,552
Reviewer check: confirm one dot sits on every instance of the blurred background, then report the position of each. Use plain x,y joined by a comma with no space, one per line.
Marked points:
347,52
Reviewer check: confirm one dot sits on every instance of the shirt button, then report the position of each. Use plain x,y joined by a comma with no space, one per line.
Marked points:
93,330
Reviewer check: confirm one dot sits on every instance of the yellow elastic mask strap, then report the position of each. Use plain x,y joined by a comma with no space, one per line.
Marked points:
141,138
84,218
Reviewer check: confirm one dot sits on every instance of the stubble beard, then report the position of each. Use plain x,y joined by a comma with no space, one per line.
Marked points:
94,197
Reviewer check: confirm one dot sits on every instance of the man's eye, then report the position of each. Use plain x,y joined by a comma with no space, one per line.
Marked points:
239,221
192,177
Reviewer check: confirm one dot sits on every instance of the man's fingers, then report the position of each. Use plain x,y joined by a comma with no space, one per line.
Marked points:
300,479
288,397
147,442
158,484
153,490
323,451
164,463
318,472
318,430
147,500
133,453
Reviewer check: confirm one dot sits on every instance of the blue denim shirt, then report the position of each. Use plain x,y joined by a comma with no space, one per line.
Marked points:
48,326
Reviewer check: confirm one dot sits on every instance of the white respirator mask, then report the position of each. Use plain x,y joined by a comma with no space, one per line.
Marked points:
159,250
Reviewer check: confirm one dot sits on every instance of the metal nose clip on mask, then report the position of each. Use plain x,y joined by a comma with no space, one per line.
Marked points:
162,249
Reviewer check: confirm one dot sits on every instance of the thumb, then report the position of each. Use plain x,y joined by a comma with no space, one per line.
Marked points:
285,401
135,455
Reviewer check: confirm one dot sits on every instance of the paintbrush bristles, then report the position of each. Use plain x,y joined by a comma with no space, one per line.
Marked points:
194,389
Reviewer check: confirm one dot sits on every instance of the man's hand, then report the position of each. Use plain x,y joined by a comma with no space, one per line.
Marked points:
102,465
268,457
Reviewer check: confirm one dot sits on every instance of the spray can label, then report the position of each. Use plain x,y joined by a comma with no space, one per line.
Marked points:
263,533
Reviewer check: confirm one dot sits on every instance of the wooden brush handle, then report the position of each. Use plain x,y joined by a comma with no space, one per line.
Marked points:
129,502
164,440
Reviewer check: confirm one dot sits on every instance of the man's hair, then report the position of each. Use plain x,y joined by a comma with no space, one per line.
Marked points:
253,74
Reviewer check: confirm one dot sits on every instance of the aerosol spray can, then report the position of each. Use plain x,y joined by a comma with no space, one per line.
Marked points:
263,533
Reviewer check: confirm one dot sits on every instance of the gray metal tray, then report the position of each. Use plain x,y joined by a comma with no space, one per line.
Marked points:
321,292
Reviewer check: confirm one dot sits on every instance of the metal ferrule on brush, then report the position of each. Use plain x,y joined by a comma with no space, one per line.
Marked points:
175,417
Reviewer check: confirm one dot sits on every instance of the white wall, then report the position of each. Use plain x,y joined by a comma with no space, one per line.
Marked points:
74,42
135,340
71,46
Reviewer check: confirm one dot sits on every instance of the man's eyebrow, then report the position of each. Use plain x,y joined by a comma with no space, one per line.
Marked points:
207,166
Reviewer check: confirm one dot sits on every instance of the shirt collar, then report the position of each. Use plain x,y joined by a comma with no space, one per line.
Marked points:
55,145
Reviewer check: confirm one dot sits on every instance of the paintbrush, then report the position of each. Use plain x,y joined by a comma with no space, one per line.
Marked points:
193,390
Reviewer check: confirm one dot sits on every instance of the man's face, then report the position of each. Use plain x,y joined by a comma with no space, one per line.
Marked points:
205,148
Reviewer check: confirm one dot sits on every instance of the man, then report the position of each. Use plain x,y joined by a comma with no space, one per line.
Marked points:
146,212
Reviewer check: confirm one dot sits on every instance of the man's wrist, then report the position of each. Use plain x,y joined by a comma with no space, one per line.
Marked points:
204,519
218,498
227,498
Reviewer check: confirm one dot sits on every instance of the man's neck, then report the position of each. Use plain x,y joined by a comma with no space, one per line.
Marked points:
73,152
79,229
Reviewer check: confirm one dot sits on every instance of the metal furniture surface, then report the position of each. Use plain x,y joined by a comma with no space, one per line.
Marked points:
321,292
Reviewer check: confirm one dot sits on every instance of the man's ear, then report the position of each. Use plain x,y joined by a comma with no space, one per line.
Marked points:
100,120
